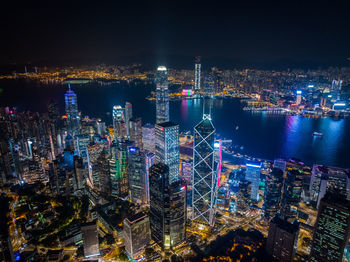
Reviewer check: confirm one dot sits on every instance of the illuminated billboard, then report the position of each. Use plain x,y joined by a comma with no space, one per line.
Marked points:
187,92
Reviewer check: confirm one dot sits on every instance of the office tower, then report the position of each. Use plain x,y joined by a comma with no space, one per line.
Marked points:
119,124
167,208
148,140
336,88
186,172
282,239
137,234
104,176
73,118
150,161
329,179
6,249
298,100
137,175
128,116
281,164
79,172
121,168
331,229
197,74
204,178
167,147
273,193
162,95
90,240
253,175
291,196
82,141
5,163
209,85
135,124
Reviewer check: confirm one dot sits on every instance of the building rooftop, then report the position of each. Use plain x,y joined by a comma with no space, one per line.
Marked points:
136,217
285,225
167,124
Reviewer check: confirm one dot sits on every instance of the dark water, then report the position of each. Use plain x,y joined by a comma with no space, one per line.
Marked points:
263,135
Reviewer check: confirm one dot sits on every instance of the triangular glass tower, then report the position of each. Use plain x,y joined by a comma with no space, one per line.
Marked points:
204,175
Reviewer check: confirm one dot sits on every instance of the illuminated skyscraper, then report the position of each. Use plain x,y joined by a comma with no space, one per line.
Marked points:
148,141
73,118
273,193
128,116
137,234
162,95
253,176
298,101
119,124
135,127
137,175
197,74
331,229
167,208
167,147
204,178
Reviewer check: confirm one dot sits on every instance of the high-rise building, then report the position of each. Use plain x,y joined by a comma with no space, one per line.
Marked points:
167,147
121,168
167,208
253,176
90,240
162,95
104,176
119,125
197,74
73,118
137,175
137,234
204,178
282,239
209,85
281,164
273,193
329,179
298,100
292,189
331,229
148,140
150,161
128,116
135,127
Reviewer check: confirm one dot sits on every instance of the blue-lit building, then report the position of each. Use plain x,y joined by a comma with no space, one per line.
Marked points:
71,105
273,193
162,95
167,147
253,175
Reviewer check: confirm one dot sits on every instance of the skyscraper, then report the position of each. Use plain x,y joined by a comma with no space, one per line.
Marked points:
137,175
73,118
167,208
128,116
148,140
104,176
135,124
273,193
167,147
204,178
331,229
90,240
137,234
253,176
197,74
162,95
329,179
282,239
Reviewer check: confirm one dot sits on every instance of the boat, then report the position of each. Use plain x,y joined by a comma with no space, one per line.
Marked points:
317,134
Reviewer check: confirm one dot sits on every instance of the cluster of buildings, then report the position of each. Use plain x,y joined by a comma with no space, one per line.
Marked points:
140,192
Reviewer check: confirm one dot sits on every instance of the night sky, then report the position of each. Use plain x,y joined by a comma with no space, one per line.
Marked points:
226,34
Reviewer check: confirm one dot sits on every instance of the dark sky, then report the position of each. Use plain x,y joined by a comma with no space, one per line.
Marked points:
232,33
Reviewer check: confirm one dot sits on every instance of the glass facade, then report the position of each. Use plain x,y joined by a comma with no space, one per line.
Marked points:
162,95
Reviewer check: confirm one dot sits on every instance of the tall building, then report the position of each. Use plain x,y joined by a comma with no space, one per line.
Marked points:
331,229
148,140
128,116
167,208
119,125
298,100
167,147
150,161
209,85
282,239
104,176
329,179
253,176
162,95
204,178
137,175
273,193
90,240
291,196
281,164
73,118
137,234
197,74
135,126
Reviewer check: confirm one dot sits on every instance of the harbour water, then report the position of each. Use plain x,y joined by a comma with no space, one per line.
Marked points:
258,134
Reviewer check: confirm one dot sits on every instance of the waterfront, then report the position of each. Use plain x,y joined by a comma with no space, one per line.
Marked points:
262,135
